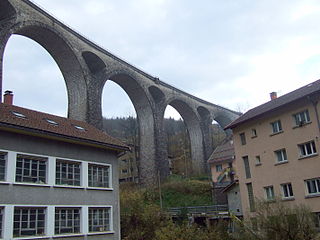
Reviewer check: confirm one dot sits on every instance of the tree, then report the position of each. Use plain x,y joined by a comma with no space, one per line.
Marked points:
280,221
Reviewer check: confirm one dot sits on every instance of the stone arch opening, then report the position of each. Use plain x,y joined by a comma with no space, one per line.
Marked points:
33,84
94,63
6,10
64,56
145,123
192,123
156,94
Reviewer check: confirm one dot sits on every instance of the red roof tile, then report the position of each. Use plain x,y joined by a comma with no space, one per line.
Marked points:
48,124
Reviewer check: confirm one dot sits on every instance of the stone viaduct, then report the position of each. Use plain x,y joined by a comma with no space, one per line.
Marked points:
86,67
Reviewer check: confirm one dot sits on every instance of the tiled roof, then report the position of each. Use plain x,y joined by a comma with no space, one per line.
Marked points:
14,117
302,92
223,153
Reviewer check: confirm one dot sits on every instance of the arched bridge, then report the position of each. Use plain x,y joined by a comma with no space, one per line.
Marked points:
86,67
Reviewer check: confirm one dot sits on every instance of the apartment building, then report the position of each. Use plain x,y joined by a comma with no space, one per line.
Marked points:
277,150
58,177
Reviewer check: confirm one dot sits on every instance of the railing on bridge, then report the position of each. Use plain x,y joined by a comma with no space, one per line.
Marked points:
204,210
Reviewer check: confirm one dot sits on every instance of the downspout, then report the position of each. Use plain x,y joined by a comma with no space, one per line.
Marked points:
315,103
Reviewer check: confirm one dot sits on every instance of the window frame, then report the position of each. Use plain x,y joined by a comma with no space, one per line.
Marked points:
254,133
246,164
276,127
59,161
107,227
281,155
219,168
243,139
251,197
31,158
258,160
316,186
287,191
269,193
74,226
303,148
21,221
301,118
109,178
3,165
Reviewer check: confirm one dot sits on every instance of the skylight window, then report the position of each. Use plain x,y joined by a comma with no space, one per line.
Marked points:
19,115
79,128
52,122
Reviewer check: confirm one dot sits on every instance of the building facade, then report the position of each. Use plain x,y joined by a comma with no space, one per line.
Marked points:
58,178
277,150
225,182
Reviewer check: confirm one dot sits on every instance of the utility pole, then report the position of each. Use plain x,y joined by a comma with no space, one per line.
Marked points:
160,194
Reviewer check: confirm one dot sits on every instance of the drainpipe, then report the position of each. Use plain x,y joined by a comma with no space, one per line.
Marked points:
315,103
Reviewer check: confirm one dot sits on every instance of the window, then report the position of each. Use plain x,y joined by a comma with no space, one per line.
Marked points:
251,197
124,171
258,160
2,166
28,222
281,155
218,168
30,169
246,166
253,132
1,216
269,193
287,191
276,126
243,139
67,173
301,118
98,176
307,149
67,220
313,186
99,219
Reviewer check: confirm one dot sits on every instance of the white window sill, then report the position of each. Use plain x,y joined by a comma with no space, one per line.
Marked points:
280,163
4,183
31,237
68,186
313,195
308,156
298,126
100,233
288,199
100,188
276,133
69,235
31,184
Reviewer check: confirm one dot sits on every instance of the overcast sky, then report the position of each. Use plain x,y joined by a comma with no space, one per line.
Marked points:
229,52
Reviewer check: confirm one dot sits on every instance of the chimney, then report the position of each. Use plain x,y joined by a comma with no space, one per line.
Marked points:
8,97
273,95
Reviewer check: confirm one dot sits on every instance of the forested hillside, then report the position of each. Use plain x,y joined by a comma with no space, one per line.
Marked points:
126,128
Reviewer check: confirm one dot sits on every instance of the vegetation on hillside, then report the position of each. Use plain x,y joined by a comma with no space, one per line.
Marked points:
179,149
143,219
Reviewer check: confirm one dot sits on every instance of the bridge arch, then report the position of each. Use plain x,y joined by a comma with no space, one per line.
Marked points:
157,95
61,51
145,119
6,10
192,123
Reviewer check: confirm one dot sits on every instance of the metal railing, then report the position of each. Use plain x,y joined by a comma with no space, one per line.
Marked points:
214,209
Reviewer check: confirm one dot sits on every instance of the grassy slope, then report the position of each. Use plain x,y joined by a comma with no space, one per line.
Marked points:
181,192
